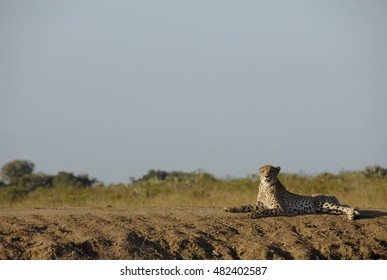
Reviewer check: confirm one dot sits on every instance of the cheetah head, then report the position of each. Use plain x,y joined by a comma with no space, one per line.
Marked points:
268,174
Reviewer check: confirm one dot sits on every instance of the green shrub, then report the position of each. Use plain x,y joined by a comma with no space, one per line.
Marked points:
374,172
12,194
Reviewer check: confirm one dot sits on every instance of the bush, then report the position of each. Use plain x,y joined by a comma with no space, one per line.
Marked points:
32,181
66,179
158,176
16,169
12,194
374,172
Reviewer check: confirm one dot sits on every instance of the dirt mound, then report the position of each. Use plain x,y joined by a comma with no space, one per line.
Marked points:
187,233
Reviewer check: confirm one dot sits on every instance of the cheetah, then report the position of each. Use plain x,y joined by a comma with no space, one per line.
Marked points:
274,200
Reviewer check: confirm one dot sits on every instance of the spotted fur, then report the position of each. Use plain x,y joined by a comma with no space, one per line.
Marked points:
274,200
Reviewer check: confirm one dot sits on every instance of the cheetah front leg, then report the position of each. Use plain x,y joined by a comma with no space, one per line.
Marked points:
245,208
331,208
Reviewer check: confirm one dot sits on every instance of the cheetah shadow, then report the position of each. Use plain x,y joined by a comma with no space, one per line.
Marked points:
370,214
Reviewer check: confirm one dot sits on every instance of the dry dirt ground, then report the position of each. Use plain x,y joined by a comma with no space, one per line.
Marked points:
187,233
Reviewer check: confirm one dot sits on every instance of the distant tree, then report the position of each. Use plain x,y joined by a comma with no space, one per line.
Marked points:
85,181
66,179
374,171
33,181
152,174
160,175
16,169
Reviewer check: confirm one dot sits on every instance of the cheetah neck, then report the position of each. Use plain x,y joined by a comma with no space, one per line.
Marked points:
276,186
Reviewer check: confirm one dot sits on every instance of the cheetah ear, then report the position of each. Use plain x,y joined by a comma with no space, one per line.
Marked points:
278,169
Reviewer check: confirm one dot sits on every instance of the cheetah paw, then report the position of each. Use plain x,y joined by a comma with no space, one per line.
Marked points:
229,209
254,216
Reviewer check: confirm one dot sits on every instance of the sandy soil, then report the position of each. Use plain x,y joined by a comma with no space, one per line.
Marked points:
187,233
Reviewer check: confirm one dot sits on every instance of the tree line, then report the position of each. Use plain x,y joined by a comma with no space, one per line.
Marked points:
20,173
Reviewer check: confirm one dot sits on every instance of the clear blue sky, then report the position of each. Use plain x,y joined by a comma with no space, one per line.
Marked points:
115,88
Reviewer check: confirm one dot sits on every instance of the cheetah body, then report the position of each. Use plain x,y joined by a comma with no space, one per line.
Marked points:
274,200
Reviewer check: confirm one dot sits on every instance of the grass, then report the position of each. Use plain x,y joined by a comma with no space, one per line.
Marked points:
350,188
